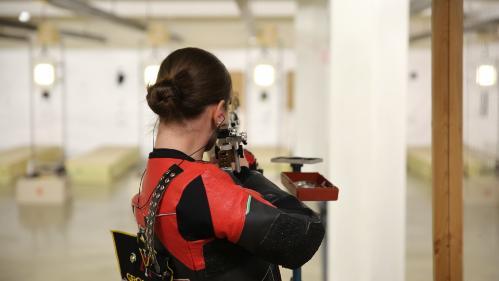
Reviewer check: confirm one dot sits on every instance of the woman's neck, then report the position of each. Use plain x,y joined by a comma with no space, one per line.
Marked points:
186,137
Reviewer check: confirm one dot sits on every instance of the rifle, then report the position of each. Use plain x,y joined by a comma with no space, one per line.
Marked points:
229,146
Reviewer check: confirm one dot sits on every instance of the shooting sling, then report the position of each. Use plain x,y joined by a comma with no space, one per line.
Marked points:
137,255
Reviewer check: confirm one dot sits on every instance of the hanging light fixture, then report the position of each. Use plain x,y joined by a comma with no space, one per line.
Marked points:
157,35
24,16
150,74
44,74
486,75
44,70
264,75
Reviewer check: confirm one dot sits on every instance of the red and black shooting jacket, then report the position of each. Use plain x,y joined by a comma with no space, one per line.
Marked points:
218,226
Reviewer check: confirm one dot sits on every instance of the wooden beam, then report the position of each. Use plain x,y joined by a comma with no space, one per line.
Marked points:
447,140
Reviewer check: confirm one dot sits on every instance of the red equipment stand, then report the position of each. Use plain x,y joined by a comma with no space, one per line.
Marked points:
308,186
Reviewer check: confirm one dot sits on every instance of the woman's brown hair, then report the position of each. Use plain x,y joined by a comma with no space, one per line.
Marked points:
188,80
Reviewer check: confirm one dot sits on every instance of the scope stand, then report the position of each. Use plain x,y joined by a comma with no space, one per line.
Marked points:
296,165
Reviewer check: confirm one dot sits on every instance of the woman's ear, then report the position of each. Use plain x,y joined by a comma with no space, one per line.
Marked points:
220,112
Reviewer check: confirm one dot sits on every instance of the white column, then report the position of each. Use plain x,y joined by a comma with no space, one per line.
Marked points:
311,81
367,123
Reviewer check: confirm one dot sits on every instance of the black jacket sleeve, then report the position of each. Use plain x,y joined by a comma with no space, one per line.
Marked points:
288,235
281,199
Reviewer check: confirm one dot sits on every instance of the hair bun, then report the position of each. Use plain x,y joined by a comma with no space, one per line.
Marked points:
163,97
188,80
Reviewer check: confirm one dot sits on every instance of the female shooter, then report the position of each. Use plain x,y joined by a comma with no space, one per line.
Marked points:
211,225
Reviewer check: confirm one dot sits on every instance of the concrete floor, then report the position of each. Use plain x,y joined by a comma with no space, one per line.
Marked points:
73,242
481,230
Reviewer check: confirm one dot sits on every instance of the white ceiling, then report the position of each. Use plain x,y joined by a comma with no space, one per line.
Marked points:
209,23
204,23
159,9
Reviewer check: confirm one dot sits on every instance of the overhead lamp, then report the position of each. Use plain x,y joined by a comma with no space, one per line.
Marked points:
264,75
44,74
486,75
150,74
24,16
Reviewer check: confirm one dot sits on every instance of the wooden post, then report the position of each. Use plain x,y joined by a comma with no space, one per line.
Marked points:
447,140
